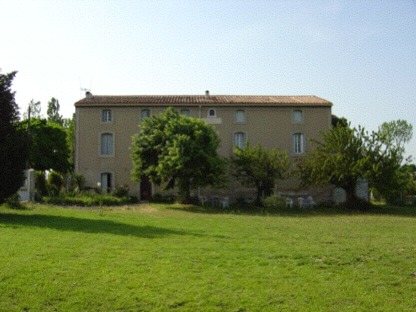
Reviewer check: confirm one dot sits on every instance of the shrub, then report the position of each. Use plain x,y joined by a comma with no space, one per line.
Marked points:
274,201
40,183
13,202
88,200
55,183
121,191
78,181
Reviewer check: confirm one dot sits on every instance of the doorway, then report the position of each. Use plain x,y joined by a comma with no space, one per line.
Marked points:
106,182
145,188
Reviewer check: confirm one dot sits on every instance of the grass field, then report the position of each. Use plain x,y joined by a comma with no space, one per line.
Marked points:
162,258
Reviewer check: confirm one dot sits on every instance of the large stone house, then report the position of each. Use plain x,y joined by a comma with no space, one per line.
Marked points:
105,126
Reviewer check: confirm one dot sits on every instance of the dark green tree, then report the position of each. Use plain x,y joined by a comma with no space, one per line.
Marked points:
261,168
339,121
69,126
179,151
48,145
13,146
53,112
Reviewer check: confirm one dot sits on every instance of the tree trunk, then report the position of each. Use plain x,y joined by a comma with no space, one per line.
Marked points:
184,191
351,194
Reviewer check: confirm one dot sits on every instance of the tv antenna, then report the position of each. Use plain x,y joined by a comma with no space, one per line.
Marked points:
82,89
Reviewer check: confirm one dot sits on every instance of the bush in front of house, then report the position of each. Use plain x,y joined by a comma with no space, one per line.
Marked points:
273,202
120,191
55,183
89,200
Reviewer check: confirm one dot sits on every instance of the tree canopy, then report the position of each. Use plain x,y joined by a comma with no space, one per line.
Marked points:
346,155
13,147
179,151
48,145
396,133
53,112
259,167
33,110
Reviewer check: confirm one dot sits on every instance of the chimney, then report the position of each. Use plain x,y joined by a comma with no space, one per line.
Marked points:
207,94
88,95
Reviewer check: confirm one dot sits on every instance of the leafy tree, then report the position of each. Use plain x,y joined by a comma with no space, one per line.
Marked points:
48,145
261,168
34,109
339,121
13,147
53,112
69,126
346,155
396,133
177,150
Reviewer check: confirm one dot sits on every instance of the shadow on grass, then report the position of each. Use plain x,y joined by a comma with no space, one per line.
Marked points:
299,212
62,223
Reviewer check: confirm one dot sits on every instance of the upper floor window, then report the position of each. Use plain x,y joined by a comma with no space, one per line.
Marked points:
106,115
240,139
145,113
212,112
297,116
185,112
107,144
298,143
240,116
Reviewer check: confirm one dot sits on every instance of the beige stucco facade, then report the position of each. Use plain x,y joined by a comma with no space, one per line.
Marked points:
268,121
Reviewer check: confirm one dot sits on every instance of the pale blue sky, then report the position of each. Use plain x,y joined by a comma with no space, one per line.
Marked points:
361,55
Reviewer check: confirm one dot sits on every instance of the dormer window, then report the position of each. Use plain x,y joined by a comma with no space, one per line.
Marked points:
212,112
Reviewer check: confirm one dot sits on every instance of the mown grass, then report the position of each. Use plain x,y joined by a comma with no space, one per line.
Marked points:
167,257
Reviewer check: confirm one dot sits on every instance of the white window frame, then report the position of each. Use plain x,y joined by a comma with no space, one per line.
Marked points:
295,118
239,139
106,116
298,143
104,151
236,116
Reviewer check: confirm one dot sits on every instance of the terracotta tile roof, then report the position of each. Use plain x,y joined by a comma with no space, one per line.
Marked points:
194,100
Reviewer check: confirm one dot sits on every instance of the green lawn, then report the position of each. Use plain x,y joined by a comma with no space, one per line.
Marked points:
159,258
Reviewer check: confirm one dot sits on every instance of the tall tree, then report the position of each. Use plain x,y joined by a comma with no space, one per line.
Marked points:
347,155
179,151
48,147
261,168
13,146
53,112
396,133
69,126
33,110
